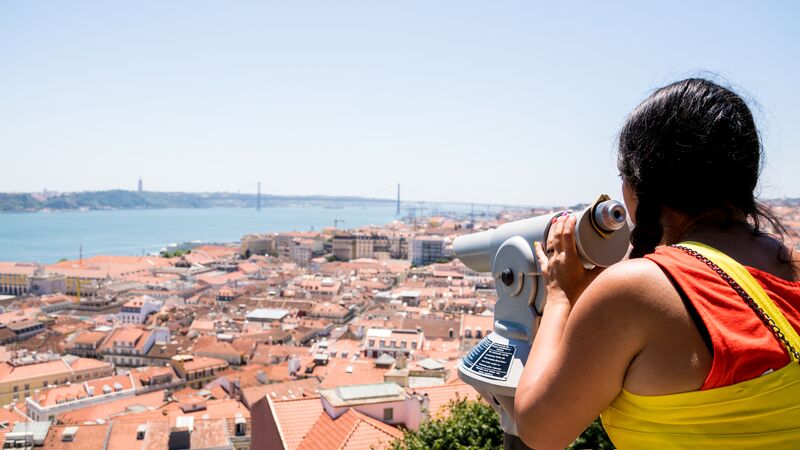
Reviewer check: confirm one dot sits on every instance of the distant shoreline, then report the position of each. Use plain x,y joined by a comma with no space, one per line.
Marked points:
113,200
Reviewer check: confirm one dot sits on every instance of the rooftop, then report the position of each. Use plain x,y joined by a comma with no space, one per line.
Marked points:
352,431
363,394
267,314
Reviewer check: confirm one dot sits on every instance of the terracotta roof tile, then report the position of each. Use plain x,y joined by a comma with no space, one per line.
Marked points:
295,418
87,437
351,430
439,396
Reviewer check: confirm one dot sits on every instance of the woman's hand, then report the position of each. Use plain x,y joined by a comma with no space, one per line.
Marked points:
561,265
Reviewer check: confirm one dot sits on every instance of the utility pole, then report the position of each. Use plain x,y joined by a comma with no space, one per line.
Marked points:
472,216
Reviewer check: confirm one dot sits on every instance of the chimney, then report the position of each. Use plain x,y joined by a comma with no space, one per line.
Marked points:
68,435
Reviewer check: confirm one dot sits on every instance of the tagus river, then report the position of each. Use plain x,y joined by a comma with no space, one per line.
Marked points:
47,237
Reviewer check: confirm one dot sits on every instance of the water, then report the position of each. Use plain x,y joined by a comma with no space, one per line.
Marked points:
46,237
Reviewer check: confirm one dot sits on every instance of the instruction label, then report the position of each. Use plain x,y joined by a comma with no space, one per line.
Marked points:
490,359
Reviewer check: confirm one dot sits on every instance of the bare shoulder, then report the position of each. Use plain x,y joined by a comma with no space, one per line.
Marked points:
633,279
635,289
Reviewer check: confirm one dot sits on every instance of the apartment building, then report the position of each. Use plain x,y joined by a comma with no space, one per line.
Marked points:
284,242
137,310
129,346
259,244
87,344
14,278
427,249
26,373
378,341
197,371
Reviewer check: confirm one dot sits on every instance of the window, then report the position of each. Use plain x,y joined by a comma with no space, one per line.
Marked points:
414,345
27,386
388,413
16,388
403,344
394,343
372,342
241,429
383,343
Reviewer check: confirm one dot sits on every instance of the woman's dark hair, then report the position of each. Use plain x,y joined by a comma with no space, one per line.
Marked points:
691,146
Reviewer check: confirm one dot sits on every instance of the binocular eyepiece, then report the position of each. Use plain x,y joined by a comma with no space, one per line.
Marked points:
609,216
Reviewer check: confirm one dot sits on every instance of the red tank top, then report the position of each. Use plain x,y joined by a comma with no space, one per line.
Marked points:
743,347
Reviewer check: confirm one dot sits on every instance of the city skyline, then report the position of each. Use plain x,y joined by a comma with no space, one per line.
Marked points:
509,104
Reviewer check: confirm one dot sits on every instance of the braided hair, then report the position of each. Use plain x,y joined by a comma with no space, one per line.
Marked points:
691,146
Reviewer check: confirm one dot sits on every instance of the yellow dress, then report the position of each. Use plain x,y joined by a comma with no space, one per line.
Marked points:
760,413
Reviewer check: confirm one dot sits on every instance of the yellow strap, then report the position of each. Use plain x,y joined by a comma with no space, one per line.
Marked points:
751,286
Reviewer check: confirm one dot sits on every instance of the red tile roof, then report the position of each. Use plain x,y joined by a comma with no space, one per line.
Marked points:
352,431
295,418
439,396
87,437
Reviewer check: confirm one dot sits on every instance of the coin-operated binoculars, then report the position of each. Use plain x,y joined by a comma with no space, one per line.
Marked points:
494,366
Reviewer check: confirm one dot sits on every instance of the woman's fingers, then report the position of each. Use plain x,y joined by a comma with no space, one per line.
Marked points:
568,238
541,256
556,230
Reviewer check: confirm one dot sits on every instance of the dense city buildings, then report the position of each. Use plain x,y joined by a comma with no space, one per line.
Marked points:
322,339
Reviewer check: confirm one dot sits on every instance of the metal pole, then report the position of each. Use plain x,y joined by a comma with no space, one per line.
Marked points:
511,442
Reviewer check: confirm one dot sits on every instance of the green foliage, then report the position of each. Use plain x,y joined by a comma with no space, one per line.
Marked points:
470,425
594,437
18,202
175,254
473,424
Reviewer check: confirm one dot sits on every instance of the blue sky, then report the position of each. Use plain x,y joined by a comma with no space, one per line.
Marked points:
499,102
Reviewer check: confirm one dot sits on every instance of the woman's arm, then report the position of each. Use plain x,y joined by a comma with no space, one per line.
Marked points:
583,347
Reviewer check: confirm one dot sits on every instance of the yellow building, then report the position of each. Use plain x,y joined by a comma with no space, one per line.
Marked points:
24,375
197,371
14,278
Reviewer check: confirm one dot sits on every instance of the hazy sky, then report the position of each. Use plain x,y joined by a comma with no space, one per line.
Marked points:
491,101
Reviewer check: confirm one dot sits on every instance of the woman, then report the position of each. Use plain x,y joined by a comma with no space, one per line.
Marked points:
628,341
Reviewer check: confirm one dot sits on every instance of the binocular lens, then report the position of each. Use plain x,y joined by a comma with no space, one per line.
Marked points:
610,215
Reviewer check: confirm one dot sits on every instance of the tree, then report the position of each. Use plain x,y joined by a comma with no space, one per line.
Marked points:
470,425
594,437
473,424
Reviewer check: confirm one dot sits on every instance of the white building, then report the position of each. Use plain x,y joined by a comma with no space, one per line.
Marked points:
393,342
427,249
136,311
386,402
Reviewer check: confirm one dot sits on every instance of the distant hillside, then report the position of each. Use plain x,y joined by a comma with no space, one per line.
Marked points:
119,199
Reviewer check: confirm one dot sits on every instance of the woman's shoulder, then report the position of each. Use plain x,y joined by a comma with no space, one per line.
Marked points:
632,276
636,287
